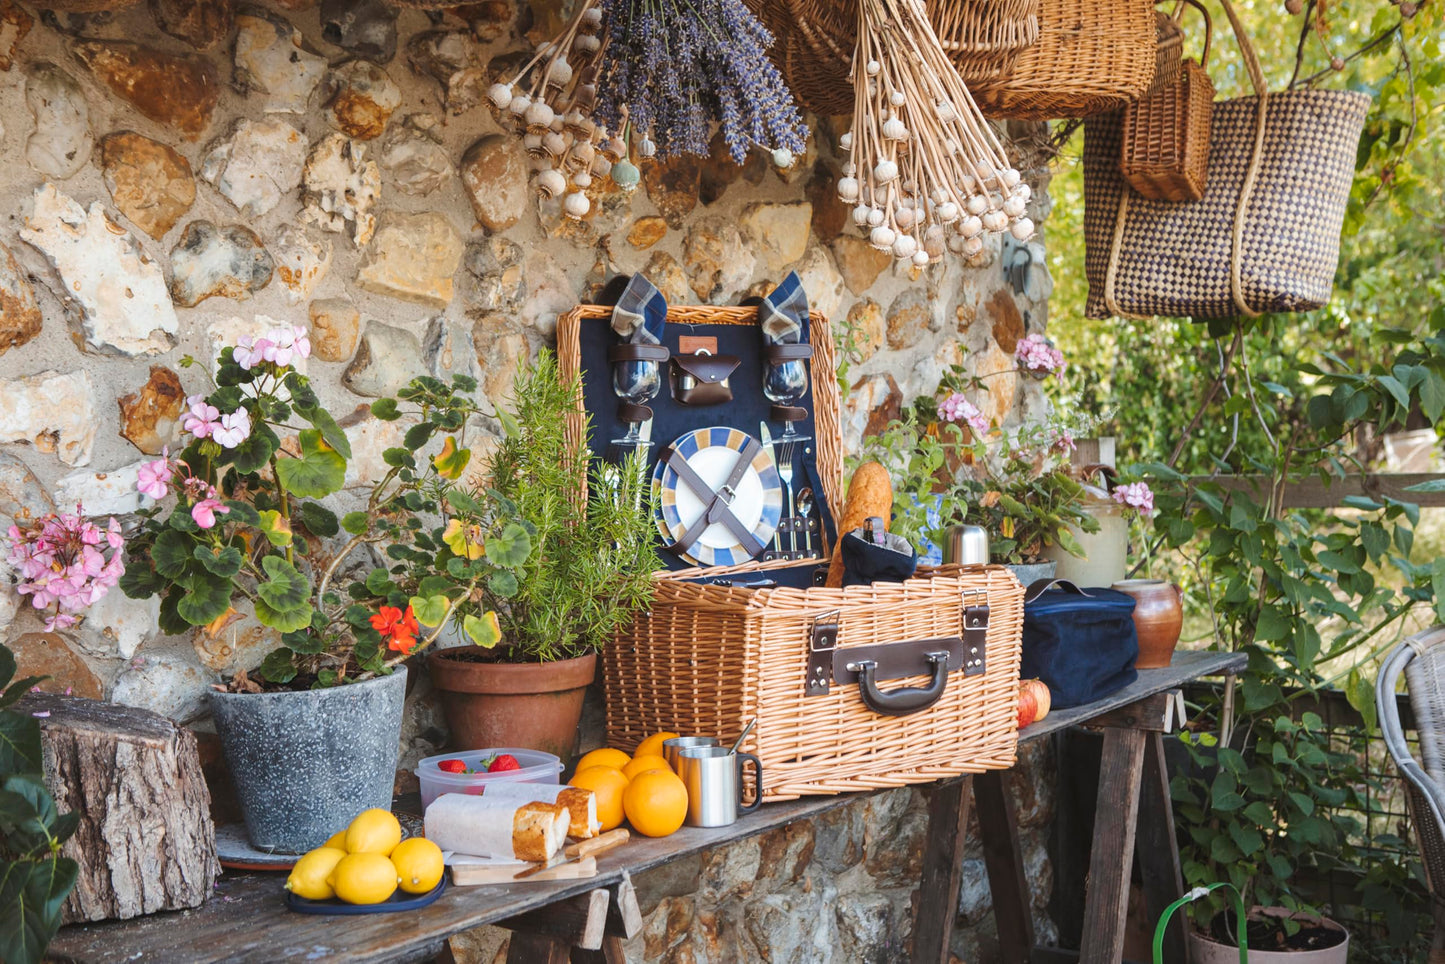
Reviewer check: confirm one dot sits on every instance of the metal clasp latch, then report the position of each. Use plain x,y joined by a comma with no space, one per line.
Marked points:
975,632
821,643
726,495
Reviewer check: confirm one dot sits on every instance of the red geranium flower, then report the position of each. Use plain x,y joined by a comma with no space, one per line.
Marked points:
397,628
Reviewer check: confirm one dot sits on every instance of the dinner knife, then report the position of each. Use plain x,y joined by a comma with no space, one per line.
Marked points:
767,438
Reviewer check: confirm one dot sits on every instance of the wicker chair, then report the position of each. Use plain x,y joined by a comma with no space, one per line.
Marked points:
1422,659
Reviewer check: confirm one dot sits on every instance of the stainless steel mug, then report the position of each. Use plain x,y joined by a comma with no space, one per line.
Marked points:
672,749
713,776
966,545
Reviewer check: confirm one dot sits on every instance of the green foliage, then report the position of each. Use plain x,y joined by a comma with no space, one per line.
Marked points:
34,878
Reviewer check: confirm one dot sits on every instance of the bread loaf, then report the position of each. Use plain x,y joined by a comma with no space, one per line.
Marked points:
581,804
489,826
870,493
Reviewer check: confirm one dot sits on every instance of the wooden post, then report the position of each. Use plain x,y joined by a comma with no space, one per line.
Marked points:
1009,887
145,841
942,871
1159,849
576,922
1106,901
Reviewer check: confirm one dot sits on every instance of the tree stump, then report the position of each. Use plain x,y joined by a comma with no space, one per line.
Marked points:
145,842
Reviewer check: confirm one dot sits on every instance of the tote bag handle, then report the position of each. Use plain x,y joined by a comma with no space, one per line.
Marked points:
1236,290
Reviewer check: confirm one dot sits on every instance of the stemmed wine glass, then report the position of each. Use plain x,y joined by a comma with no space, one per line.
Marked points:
636,383
784,384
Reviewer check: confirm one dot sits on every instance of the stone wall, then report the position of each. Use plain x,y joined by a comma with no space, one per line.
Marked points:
178,173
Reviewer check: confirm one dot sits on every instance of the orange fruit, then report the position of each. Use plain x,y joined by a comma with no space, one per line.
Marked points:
607,784
655,803
652,746
643,762
605,757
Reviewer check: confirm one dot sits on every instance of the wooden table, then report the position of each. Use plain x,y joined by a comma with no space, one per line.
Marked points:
247,919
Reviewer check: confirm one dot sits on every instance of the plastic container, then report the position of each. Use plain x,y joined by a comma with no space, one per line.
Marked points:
537,767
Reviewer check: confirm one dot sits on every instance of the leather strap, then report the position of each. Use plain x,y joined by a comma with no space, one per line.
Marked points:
1040,586
783,353
717,503
629,351
787,413
632,412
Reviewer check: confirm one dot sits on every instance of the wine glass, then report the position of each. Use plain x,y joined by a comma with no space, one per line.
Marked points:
636,383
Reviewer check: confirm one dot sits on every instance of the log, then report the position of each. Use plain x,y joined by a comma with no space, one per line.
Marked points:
145,841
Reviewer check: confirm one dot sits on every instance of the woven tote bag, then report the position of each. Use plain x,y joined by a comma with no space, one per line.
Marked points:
1266,235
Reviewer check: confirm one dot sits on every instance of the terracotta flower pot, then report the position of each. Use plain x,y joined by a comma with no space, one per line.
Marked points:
532,705
1206,950
1158,617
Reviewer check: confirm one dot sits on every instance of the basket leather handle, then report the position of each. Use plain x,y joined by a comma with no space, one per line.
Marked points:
909,699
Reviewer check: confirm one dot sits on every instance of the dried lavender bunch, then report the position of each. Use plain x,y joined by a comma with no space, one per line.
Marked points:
674,66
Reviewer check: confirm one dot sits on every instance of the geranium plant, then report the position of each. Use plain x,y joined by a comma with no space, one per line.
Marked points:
61,558
245,528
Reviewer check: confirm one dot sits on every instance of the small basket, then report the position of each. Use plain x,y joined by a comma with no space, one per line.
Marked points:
1165,151
1169,49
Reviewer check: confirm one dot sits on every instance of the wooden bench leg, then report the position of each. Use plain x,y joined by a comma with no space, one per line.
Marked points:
942,871
1158,847
1106,898
547,935
537,949
610,953
1001,855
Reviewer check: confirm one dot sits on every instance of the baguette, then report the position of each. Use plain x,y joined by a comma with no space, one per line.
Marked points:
493,827
581,804
870,494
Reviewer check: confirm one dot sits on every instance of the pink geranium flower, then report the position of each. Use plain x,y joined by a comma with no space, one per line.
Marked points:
63,566
251,351
233,429
1038,356
201,419
155,477
204,512
285,343
957,408
1136,496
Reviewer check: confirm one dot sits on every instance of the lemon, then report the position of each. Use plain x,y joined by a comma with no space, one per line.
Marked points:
374,831
643,762
418,861
337,840
309,875
605,757
364,878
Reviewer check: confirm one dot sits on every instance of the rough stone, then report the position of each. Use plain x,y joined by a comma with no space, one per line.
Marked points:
118,626
786,852
831,216
47,654
494,172
149,182
838,839
148,417
341,186
240,644
792,926
272,59
22,496
178,92
549,293
663,270
20,317
866,318
490,19
167,684
448,349
821,281
256,164
1001,373
230,262
201,23
386,360
112,492
1008,321
673,185
412,153
874,402
370,438
909,317
859,262
647,231
15,23
414,258
501,352
335,325
112,286
301,263
359,99
730,872
974,898
717,262
719,170
453,59
366,28
61,142
777,233
53,412
495,273
866,926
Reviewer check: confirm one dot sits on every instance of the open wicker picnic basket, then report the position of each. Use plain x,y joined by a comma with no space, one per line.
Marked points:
707,658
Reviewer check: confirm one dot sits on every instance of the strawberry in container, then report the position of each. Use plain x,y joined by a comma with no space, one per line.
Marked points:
472,771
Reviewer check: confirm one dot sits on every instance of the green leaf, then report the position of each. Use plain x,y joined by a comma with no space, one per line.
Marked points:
503,583
398,457
286,588
319,519
330,431
169,620
31,895
483,631
429,610
1260,813
1273,624
378,582
1398,391
279,666
140,580
172,554
7,667
1247,839
283,620
1360,691
355,522
243,513
304,641
511,547
225,562
253,454
19,743
207,600
418,435
276,529
385,409
451,461
320,472
462,502
1432,486
1432,395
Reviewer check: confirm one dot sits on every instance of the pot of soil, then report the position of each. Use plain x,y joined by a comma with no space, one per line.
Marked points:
1318,940
532,705
1158,618
306,761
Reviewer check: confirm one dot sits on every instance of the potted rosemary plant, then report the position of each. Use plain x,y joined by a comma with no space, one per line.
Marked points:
589,568
237,532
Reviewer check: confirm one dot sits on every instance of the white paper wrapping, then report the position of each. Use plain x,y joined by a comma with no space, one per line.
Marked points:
490,826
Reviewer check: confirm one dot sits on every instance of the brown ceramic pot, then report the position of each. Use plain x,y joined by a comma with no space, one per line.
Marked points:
1158,617
532,705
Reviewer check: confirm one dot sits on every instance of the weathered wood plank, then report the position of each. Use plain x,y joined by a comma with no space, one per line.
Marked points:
1154,713
998,832
942,871
1313,494
1106,900
624,914
1158,848
577,921
536,949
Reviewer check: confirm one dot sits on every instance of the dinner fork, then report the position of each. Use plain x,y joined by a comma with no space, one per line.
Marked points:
786,447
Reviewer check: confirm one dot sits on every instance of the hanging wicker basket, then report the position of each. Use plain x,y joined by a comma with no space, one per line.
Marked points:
1165,150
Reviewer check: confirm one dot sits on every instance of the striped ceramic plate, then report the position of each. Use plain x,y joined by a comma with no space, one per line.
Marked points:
758,504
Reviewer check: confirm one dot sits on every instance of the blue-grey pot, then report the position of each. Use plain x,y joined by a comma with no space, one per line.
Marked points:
306,762
1031,572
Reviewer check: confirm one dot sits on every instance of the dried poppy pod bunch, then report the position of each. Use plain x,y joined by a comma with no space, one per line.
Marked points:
569,150
926,173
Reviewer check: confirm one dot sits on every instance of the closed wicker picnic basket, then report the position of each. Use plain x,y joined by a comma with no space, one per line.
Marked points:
705,659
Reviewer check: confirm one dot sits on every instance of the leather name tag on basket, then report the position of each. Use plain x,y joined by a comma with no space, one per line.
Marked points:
702,379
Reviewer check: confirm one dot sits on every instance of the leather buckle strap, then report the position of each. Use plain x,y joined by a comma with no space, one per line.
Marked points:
717,503
628,351
785,353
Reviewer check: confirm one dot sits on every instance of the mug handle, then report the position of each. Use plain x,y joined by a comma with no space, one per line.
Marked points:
757,784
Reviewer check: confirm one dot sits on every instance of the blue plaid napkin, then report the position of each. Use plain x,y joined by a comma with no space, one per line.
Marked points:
640,313
784,312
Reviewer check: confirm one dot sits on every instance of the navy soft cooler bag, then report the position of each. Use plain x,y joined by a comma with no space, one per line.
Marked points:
1080,642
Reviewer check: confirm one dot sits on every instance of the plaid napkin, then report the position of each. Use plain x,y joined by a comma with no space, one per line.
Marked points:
784,312
640,313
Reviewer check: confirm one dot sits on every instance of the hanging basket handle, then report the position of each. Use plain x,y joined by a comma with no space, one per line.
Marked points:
1208,25
1193,895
